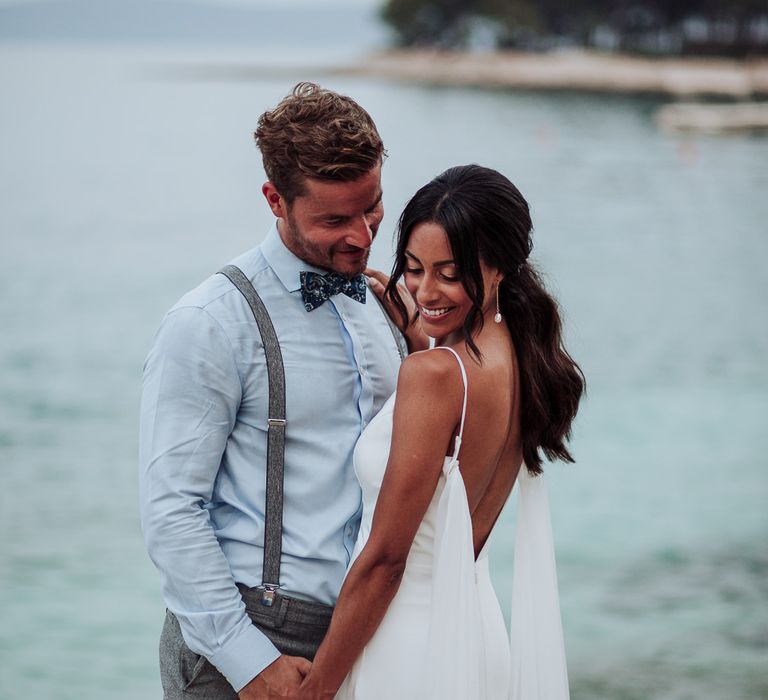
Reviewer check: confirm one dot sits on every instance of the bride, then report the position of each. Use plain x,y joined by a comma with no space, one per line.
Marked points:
417,616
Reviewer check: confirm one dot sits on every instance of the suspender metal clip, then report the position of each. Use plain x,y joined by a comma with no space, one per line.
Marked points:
268,594
277,422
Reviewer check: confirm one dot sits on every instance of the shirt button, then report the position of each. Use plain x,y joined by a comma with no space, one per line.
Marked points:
349,531
362,371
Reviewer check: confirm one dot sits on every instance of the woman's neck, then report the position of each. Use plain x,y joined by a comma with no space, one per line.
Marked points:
489,327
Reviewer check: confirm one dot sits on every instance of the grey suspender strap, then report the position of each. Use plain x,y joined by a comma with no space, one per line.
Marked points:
273,512
396,334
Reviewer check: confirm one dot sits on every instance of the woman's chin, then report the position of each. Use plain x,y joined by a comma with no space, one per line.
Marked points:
440,326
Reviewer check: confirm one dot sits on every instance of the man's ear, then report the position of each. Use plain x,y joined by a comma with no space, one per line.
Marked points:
274,200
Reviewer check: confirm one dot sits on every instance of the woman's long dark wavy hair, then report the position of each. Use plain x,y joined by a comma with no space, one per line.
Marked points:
486,218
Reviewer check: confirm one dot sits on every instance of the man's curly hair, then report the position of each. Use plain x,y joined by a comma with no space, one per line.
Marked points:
316,133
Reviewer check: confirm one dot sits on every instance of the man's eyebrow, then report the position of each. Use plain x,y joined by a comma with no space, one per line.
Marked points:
439,263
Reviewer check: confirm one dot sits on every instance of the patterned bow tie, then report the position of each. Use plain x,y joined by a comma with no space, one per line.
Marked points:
316,289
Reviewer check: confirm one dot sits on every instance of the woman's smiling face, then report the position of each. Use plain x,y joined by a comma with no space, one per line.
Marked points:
434,282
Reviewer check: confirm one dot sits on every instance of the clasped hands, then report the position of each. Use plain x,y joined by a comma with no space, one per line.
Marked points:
285,679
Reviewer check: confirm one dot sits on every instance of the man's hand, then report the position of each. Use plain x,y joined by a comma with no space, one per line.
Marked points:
281,679
415,337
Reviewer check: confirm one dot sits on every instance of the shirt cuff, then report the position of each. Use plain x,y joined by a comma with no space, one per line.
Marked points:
244,656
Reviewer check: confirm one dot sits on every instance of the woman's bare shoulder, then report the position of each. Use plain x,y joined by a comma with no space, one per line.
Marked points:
430,395
432,372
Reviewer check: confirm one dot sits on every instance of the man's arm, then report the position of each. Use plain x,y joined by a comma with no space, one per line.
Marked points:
191,395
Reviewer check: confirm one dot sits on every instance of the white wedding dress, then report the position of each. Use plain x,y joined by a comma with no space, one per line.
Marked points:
443,635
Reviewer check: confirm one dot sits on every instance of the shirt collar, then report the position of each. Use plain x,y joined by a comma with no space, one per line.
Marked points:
283,262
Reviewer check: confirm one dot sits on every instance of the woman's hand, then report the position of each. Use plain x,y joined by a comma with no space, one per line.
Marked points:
311,689
378,282
414,335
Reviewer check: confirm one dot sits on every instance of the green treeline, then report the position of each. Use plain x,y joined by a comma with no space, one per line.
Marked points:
702,27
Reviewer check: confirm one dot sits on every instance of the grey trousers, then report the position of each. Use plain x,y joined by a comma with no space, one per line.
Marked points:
295,627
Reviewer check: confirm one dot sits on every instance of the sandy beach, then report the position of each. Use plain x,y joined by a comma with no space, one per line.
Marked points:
572,70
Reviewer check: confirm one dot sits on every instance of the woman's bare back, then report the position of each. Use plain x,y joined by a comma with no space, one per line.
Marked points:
491,450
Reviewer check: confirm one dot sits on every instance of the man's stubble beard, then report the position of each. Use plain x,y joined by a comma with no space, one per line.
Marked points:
317,255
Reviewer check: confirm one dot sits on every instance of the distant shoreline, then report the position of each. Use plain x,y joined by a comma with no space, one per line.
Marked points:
577,70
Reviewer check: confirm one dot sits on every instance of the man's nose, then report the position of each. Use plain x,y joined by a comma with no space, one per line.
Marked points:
360,234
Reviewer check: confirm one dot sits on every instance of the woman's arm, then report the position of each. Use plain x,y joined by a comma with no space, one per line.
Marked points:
427,411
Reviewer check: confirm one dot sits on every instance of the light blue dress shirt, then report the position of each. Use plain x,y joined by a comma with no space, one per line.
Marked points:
203,448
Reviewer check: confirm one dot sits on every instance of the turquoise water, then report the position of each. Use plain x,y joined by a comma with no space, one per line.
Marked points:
124,181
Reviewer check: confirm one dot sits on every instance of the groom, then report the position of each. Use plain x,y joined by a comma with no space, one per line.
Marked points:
228,632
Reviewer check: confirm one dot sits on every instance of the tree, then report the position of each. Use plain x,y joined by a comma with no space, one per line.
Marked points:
646,26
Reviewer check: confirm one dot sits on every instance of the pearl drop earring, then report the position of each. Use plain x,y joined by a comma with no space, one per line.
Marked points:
497,317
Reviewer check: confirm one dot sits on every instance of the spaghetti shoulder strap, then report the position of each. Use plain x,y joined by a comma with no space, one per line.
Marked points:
464,405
